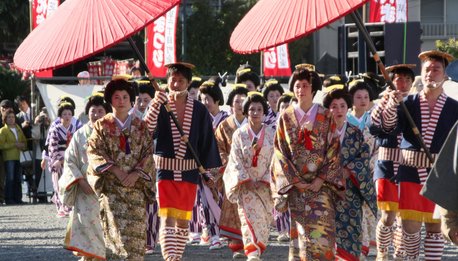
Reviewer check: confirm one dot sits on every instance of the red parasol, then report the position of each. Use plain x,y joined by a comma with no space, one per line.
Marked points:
80,28
273,22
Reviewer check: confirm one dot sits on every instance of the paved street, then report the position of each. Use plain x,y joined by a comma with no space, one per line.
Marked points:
32,232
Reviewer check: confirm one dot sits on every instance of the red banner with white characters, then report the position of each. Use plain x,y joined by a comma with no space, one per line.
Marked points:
41,9
160,44
276,61
388,11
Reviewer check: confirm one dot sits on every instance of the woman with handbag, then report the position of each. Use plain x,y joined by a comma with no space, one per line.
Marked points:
12,142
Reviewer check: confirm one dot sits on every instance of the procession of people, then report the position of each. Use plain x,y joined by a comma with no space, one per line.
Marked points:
333,177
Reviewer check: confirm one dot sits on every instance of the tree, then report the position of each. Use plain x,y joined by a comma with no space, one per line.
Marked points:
11,84
14,22
450,46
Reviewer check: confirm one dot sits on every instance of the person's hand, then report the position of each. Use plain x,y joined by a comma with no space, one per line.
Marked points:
57,165
43,164
397,96
130,179
316,184
20,145
84,185
302,185
160,97
454,237
346,173
25,124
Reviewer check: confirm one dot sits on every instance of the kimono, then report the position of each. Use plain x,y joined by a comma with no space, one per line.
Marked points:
355,157
171,149
271,119
414,167
248,163
59,139
305,150
122,209
84,231
229,222
56,122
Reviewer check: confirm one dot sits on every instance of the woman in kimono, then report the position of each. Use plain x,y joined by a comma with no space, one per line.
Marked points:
247,176
84,231
272,91
355,156
120,166
306,168
59,139
203,220
229,222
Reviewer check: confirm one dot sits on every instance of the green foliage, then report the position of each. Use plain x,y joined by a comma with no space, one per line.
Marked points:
11,84
449,46
14,22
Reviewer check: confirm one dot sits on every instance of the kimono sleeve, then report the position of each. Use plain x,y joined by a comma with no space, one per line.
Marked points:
68,182
235,173
331,171
207,148
145,165
54,147
98,150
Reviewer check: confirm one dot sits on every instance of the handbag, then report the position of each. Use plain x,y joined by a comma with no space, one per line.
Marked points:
25,158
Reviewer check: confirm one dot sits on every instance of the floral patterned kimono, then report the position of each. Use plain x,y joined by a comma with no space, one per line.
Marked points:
305,150
84,231
248,162
229,222
59,139
355,157
122,209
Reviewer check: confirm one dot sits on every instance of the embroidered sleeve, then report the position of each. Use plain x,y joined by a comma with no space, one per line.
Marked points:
98,150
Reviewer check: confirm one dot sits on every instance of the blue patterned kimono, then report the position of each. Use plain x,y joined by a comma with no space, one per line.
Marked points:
355,156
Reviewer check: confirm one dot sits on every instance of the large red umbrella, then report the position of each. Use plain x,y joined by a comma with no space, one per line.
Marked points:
273,22
81,28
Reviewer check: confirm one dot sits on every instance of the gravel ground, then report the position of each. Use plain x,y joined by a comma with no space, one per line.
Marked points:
32,232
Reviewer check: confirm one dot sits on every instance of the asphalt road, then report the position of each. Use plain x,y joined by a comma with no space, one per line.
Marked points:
32,232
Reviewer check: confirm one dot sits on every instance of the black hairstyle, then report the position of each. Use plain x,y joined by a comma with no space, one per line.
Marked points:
196,82
181,69
334,80
97,100
271,85
255,98
146,88
235,91
303,74
118,85
246,73
438,58
360,85
402,70
134,69
375,82
66,99
212,88
337,94
5,114
65,106
285,98
20,99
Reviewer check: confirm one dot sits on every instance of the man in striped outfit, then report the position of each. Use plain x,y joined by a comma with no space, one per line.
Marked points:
177,172
387,164
434,114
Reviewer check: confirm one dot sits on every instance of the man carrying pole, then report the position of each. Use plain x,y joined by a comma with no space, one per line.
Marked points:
177,171
435,114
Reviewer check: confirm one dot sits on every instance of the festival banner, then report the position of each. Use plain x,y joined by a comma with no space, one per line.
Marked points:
388,11
160,43
41,9
276,61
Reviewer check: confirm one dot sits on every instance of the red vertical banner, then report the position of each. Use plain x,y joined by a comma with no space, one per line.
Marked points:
276,61
160,44
388,11
41,9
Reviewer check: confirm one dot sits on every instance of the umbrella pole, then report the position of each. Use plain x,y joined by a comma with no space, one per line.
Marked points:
381,66
184,138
